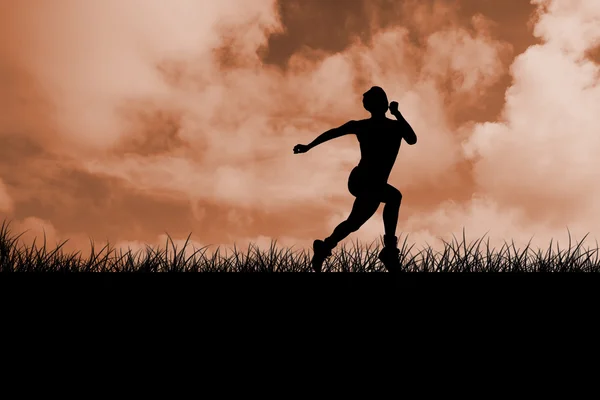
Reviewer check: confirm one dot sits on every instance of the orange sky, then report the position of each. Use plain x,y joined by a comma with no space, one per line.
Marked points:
126,119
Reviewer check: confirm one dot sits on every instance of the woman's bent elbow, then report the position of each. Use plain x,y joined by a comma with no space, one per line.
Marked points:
411,140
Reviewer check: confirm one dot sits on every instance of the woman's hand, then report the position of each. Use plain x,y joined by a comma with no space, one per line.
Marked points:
301,148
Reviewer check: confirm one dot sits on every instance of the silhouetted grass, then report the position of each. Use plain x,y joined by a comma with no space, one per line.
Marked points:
457,256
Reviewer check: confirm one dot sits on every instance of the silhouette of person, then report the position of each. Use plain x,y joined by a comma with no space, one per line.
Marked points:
379,138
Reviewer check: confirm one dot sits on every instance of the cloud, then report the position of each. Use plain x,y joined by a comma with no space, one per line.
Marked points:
6,202
542,157
34,229
99,57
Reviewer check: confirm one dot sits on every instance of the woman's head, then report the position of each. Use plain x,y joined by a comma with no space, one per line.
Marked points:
375,100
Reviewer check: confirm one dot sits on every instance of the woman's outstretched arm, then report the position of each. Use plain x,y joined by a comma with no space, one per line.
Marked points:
347,128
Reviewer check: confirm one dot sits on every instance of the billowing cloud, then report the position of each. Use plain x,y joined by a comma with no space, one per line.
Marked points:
541,158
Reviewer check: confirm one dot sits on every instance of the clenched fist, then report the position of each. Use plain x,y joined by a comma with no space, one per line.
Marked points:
301,148
394,107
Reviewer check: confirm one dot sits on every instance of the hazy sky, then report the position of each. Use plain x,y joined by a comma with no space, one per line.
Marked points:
127,119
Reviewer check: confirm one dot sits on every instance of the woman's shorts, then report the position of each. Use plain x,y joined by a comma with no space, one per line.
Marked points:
360,184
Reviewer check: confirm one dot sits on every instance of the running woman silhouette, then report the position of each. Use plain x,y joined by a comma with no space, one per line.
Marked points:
379,138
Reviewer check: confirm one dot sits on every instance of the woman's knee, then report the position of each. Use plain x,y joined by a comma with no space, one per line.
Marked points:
394,196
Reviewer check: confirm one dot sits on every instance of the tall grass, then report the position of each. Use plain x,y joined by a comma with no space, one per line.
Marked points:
457,256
